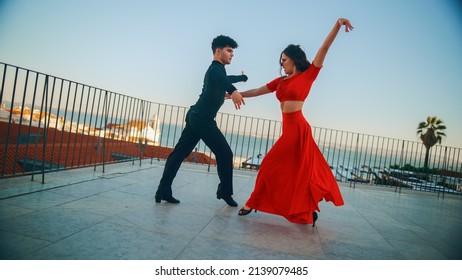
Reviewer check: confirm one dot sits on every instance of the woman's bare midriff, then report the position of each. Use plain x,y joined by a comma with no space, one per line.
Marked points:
291,106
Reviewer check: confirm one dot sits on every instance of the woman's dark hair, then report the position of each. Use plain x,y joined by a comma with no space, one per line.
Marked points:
295,53
223,41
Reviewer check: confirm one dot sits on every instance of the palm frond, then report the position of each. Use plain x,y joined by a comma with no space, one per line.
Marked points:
422,125
441,127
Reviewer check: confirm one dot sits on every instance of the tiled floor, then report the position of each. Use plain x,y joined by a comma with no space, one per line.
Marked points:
84,215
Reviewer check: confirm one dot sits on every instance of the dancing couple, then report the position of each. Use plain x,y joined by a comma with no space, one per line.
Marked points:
294,176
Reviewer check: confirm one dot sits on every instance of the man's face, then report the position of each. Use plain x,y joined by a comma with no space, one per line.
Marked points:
225,55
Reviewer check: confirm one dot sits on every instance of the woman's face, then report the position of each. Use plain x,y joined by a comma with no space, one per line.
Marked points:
287,64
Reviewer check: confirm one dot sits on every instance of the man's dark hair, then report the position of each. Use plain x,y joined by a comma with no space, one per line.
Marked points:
223,41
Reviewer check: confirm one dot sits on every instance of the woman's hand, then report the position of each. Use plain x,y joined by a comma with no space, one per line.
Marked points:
344,21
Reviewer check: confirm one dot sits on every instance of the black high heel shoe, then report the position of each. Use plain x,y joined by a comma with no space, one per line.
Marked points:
244,211
169,199
315,217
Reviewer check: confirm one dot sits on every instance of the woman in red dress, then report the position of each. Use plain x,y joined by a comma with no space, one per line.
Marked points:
294,176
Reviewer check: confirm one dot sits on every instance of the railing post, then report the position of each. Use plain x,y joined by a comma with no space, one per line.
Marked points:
45,126
355,162
105,116
210,157
10,117
401,166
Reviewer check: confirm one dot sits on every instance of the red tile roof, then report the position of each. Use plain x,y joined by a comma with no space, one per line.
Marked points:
72,150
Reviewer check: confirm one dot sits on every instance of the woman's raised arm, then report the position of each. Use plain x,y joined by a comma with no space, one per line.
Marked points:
322,52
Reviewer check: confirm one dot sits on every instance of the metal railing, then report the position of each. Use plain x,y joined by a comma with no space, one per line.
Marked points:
50,124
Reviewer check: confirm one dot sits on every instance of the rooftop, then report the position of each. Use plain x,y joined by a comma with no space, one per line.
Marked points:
83,214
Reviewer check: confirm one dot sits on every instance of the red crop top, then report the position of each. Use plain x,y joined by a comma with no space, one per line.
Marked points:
296,87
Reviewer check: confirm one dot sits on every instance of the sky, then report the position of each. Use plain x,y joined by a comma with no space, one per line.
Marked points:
400,64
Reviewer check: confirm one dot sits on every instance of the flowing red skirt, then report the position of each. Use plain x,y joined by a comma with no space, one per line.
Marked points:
294,176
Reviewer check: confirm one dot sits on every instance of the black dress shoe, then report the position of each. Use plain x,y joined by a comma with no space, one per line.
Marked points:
228,199
169,199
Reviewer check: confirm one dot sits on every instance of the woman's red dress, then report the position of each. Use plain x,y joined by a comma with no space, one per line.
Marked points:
294,176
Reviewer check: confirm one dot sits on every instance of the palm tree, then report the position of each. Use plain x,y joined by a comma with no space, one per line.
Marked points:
431,132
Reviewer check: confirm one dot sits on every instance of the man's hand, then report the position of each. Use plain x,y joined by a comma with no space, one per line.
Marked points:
244,77
238,100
